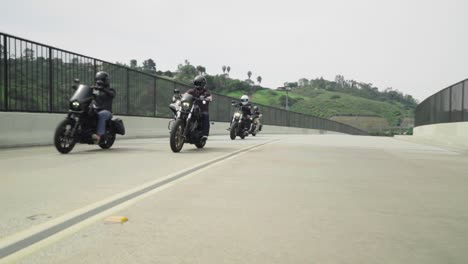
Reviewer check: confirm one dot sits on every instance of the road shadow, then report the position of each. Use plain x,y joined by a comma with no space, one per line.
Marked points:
205,150
114,151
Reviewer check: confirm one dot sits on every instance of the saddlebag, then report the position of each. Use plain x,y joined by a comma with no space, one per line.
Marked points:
119,126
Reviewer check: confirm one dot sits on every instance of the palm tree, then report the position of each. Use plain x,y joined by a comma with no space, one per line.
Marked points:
200,69
249,73
224,69
259,79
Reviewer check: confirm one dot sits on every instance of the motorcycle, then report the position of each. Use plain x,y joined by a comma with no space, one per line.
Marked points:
187,127
256,125
81,122
174,107
238,123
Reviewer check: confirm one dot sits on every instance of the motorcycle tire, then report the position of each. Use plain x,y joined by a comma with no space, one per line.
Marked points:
233,131
63,144
200,144
177,139
108,141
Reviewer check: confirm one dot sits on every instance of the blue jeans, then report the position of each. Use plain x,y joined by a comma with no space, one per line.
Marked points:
103,116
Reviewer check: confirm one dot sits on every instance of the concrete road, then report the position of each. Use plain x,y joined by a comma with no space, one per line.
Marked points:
302,199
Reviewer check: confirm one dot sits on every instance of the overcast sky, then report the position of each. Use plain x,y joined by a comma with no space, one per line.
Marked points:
415,46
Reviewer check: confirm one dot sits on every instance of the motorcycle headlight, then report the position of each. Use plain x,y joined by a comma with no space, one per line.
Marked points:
185,105
237,115
75,105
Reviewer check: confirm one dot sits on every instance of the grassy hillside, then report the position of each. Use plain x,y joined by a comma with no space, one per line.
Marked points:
318,97
326,104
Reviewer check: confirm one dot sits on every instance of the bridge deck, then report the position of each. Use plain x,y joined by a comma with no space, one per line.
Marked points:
301,199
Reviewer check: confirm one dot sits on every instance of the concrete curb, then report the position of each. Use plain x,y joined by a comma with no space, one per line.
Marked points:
18,129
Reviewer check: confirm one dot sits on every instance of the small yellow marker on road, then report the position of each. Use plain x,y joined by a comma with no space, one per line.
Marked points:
116,219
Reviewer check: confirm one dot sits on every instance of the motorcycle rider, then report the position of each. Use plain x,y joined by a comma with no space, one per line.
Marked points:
102,103
256,116
176,96
202,93
175,101
246,108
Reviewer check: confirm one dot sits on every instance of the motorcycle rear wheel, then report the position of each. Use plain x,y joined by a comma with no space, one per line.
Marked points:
108,141
200,144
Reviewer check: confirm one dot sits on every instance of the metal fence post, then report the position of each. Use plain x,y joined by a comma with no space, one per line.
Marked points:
51,82
95,66
450,104
128,92
463,102
155,109
5,76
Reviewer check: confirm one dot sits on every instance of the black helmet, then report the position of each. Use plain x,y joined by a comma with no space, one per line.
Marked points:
199,81
102,78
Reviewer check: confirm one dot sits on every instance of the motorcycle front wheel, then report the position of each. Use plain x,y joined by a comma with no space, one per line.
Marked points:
62,141
177,139
233,130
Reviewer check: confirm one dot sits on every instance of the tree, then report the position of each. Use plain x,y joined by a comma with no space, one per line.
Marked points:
303,82
224,69
28,53
168,74
249,74
291,84
340,80
149,66
200,69
186,73
228,69
133,64
259,79
121,64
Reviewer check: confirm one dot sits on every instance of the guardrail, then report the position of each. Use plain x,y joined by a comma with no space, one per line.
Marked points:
37,78
447,105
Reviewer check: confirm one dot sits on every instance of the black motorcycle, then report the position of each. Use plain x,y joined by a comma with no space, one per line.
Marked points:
256,125
239,124
81,122
187,127
174,107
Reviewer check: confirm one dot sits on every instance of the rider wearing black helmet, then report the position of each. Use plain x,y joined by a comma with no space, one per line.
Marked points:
201,92
102,104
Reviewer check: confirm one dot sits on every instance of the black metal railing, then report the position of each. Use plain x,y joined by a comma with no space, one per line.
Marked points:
37,78
447,105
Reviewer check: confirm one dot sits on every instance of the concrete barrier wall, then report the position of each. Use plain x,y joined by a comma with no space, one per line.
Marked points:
447,134
32,129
